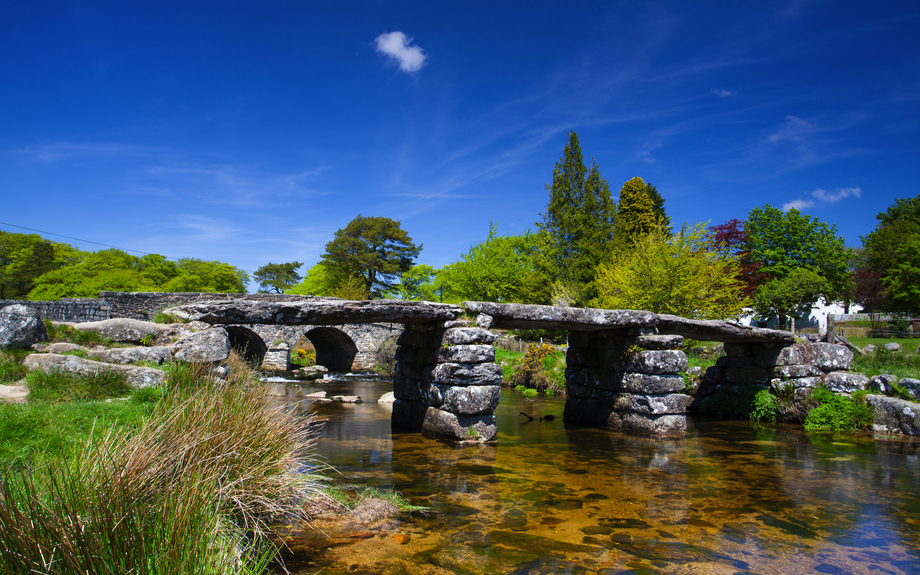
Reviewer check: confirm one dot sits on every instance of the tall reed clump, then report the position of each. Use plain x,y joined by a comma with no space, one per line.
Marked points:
192,491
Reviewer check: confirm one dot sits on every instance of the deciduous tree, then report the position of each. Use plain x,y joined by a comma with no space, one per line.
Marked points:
278,277
492,270
375,249
677,274
785,296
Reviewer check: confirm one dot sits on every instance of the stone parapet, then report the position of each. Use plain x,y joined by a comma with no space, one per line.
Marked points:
447,383
67,309
628,380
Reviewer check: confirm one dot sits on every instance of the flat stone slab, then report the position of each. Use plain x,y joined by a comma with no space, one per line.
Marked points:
718,330
526,316
136,376
327,312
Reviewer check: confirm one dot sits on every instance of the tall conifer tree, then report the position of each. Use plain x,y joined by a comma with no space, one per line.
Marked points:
577,227
636,216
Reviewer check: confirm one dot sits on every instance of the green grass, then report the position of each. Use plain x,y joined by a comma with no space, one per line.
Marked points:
11,368
899,364
508,360
67,334
63,386
906,344
349,497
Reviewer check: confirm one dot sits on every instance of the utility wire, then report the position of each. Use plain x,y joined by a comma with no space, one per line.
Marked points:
98,243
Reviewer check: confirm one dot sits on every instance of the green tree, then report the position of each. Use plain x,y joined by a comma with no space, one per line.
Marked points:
375,249
492,270
417,284
784,242
23,258
577,231
636,213
278,277
318,281
676,274
888,271
658,206
785,296
214,276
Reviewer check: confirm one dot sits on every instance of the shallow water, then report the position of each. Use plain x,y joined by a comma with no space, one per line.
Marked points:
730,497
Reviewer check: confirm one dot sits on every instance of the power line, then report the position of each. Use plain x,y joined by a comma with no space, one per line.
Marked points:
98,243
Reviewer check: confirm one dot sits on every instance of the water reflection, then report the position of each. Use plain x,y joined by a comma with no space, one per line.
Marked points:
730,497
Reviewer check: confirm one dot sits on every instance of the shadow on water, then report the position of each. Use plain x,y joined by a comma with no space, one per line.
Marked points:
729,497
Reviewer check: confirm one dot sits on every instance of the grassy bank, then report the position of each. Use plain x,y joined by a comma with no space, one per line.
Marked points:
187,481
541,368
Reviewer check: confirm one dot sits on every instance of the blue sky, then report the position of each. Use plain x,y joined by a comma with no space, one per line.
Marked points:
249,132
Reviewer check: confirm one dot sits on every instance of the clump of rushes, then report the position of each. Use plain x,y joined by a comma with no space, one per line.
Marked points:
58,385
11,368
192,490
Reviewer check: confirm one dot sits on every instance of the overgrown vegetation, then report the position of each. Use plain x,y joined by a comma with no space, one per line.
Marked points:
60,385
385,360
837,412
541,368
350,496
190,489
11,368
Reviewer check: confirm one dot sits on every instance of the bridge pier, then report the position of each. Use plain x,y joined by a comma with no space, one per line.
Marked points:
447,382
627,379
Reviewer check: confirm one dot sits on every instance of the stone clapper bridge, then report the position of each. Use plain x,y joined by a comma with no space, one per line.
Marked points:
623,366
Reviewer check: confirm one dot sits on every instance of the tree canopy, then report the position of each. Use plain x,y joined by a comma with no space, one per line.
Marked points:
577,227
492,270
374,249
678,274
278,277
786,295
888,272
784,242
318,281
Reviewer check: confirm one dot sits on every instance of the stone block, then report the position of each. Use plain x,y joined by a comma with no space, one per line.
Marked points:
125,355
795,354
417,356
796,371
204,346
484,321
429,420
646,361
748,375
659,341
136,376
466,354
647,424
277,359
580,339
619,381
831,357
845,382
652,404
467,374
468,336
409,389
738,349
582,357
736,361
467,400
123,329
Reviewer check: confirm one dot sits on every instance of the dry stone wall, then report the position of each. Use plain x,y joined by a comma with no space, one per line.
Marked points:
67,309
447,382
627,380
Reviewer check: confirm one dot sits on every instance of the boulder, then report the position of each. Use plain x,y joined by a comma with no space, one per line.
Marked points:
466,400
882,383
64,347
20,327
136,376
788,371
892,346
122,329
845,382
870,349
123,355
894,415
203,346
311,373
468,336
278,359
420,417
387,397
912,386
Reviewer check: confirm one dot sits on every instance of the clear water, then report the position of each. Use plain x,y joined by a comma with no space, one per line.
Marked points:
729,498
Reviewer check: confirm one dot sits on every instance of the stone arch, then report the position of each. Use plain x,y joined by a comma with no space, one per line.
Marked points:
247,342
335,349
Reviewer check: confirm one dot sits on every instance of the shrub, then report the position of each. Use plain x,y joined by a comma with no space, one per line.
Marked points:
304,357
837,412
543,367
764,407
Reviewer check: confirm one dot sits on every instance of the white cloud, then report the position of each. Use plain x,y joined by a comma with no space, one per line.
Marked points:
794,130
823,197
722,93
396,46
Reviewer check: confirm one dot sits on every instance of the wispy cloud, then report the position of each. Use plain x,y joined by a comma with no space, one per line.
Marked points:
397,46
794,130
721,92
823,197
65,150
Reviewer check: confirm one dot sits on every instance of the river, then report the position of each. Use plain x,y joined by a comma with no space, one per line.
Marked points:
729,498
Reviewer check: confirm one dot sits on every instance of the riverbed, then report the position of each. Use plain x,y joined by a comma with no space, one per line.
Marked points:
729,498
